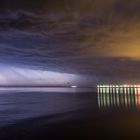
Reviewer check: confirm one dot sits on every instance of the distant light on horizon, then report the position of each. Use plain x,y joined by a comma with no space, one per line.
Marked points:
74,86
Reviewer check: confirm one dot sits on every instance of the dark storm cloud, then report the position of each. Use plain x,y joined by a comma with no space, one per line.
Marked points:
20,20
96,38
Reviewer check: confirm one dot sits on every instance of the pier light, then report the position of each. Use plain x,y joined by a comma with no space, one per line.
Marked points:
117,89
138,89
104,88
100,86
113,86
125,88
107,89
125,85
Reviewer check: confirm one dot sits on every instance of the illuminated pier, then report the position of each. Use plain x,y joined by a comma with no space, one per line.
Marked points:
135,89
113,96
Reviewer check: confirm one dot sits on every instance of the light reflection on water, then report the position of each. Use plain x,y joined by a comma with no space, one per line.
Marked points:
118,100
23,103
4,90
96,111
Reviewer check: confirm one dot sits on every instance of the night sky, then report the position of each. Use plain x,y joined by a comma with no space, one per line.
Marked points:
64,42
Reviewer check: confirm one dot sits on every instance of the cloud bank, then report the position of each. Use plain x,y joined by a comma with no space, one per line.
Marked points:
95,39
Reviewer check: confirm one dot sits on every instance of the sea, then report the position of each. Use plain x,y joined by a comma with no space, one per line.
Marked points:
94,115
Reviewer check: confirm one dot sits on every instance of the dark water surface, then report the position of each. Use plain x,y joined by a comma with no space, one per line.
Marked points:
68,113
